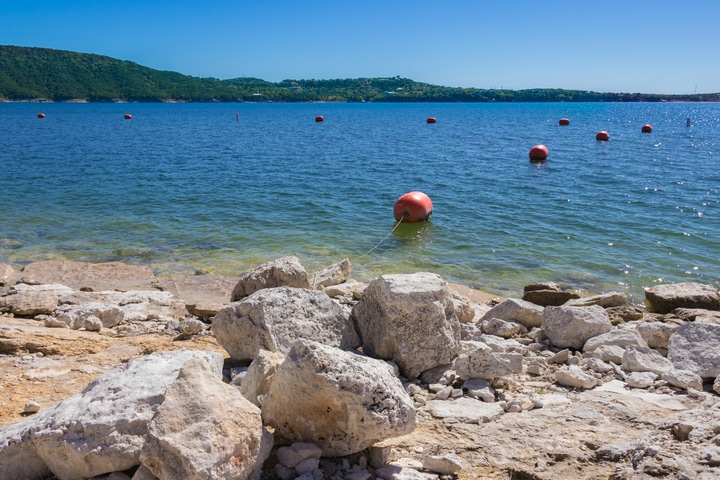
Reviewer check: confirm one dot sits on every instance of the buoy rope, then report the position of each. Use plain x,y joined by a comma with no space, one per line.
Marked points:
386,236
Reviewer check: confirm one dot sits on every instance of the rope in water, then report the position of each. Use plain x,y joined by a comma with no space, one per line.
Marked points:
381,241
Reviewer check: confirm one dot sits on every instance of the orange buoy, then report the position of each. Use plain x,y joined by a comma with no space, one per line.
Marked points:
431,120
647,128
413,207
538,153
602,135
319,118
128,116
41,115
564,121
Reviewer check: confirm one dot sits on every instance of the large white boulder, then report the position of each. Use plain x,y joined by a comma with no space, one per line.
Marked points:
696,347
274,318
205,430
409,319
103,428
341,401
571,327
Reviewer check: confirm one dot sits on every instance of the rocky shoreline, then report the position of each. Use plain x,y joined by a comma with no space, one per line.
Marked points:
111,373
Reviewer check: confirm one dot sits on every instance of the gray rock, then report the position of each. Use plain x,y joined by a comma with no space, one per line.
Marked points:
29,303
409,319
606,300
696,347
281,272
464,310
622,337
7,275
443,464
684,379
641,379
644,359
332,275
479,388
502,328
575,377
298,452
274,318
608,353
395,472
100,430
205,430
341,401
666,298
571,327
259,375
526,313
484,363
656,334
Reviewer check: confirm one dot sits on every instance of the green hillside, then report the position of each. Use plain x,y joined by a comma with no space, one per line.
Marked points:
57,75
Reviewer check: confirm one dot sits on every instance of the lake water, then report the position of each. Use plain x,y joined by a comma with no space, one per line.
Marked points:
220,188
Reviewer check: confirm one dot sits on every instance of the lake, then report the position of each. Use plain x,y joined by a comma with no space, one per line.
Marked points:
221,188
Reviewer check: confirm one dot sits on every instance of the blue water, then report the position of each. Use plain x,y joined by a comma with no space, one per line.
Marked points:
188,188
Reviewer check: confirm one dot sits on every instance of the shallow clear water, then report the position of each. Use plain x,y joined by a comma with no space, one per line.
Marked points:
187,187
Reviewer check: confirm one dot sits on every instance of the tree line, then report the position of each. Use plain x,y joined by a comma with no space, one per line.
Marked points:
56,75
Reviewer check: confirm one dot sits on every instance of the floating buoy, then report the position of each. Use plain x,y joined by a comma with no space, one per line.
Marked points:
413,207
41,115
128,116
431,120
647,128
319,118
564,121
602,135
538,153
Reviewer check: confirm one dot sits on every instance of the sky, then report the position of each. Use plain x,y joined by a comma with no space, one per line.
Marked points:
632,46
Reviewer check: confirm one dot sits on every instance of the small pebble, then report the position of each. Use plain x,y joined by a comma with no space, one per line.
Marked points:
31,407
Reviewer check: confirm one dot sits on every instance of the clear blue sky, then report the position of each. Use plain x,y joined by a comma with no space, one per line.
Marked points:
631,46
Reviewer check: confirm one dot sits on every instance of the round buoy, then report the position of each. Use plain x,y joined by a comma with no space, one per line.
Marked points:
564,121
538,153
319,118
413,207
647,128
41,115
431,120
602,135
128,116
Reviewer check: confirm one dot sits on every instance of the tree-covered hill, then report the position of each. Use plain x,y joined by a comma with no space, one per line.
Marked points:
57,75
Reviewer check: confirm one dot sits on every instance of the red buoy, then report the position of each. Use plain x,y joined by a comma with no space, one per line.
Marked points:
647,128
128,116
319,118
564,121
41,115
413,207
602,135
431,120
538,153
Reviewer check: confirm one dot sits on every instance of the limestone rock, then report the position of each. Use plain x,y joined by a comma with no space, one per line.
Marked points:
205,430
29,303
409,319
575,377
341,401
640,379
332,275
656,334
571,327
606,300
526,313
696,347
443,464
101,429
620,337
90,276
463,309
547,294
484,363
281,272
257,380
684,379
7,275
502,328
273,318
665,298
466,410
644,359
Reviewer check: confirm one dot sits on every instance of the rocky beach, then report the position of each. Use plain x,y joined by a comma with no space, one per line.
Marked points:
109,372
